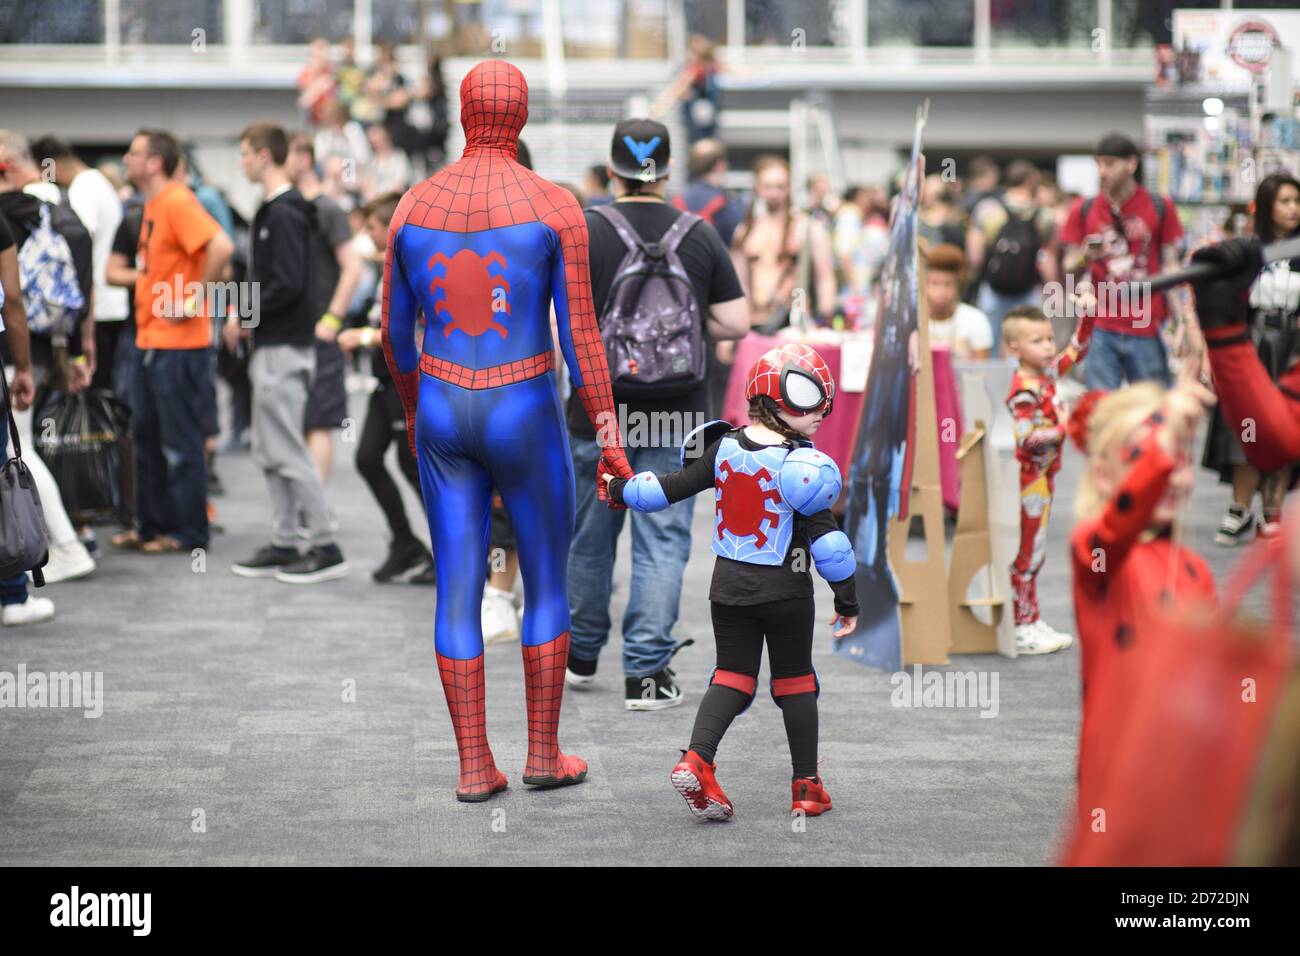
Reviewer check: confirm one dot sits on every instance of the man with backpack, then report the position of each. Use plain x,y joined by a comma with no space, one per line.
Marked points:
664,287
56,267
55,262
1113,241
1008,232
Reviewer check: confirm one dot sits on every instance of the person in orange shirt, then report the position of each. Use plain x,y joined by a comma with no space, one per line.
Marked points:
183,253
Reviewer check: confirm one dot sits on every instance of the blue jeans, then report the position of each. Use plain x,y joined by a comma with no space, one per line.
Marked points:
1114,357
996,305
168,389
661,546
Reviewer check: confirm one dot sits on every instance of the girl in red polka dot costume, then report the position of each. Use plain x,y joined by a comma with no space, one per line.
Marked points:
1126,558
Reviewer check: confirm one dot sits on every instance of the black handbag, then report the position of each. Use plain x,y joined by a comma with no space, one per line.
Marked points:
24,540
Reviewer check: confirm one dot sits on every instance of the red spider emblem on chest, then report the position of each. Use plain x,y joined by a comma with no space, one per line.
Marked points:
743,505
470,292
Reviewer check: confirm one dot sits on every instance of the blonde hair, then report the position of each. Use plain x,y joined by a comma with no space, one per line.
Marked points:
1014,321
1112,421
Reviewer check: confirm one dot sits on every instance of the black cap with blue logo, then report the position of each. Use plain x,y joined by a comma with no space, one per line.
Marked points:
640,150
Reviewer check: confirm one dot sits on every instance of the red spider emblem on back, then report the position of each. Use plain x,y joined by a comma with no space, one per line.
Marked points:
743,505
469,291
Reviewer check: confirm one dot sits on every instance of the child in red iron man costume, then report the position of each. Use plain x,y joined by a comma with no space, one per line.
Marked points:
482,248
1038,423
774,492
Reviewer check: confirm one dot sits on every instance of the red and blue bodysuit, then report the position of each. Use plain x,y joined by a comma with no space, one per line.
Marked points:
483,248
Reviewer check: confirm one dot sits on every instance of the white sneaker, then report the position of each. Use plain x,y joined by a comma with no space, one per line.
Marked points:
67,561
500,622
1065,640
32,611
1033,639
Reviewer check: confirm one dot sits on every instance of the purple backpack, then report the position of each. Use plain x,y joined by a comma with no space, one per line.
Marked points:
651,327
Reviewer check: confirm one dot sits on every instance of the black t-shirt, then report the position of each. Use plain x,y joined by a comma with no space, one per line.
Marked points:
741,583
126,241
713,279
6,234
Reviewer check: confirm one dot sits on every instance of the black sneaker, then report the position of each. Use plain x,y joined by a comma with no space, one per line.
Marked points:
652,693
1237,527
579,673
656,691
266,563
401,558
87,537
426,575
319,564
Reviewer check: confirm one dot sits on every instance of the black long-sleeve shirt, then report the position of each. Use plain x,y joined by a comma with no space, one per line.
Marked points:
281,262
740,582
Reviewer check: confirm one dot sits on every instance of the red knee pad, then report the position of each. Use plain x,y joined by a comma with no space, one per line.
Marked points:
789,686
744,683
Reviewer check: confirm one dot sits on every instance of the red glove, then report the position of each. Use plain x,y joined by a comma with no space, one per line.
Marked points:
613,461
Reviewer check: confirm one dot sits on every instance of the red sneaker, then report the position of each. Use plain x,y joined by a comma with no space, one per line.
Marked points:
695,781
810,796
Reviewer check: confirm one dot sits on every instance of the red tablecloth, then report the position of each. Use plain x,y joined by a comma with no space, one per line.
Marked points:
836,435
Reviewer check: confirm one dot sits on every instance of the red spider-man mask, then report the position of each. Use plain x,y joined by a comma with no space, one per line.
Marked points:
795,377
493,106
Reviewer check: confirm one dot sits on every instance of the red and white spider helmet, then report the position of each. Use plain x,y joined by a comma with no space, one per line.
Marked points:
793,376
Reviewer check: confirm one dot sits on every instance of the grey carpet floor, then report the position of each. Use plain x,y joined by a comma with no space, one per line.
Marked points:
226,737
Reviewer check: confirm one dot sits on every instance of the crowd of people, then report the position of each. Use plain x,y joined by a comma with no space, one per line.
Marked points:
140,282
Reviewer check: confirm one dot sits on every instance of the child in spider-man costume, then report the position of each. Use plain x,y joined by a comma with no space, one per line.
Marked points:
1038,423
774,492
482,248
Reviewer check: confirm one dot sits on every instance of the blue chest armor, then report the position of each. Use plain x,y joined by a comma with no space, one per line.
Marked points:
753,522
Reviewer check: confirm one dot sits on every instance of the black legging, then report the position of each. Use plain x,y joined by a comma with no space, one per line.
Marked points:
739,633
386,423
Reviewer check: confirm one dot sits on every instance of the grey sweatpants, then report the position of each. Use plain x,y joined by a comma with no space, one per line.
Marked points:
281,377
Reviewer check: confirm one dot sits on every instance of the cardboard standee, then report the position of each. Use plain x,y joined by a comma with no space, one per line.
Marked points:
987,535
925,621
972,555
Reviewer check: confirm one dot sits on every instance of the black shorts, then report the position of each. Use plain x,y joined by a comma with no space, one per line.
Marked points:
327,402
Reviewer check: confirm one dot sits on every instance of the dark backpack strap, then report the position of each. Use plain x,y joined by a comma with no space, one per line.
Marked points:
1159,201
624,228
671,239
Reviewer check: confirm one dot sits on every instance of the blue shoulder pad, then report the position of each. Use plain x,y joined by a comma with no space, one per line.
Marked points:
834,556
809,481
702,437
644,493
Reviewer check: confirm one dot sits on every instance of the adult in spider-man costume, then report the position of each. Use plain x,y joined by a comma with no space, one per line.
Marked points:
482,248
